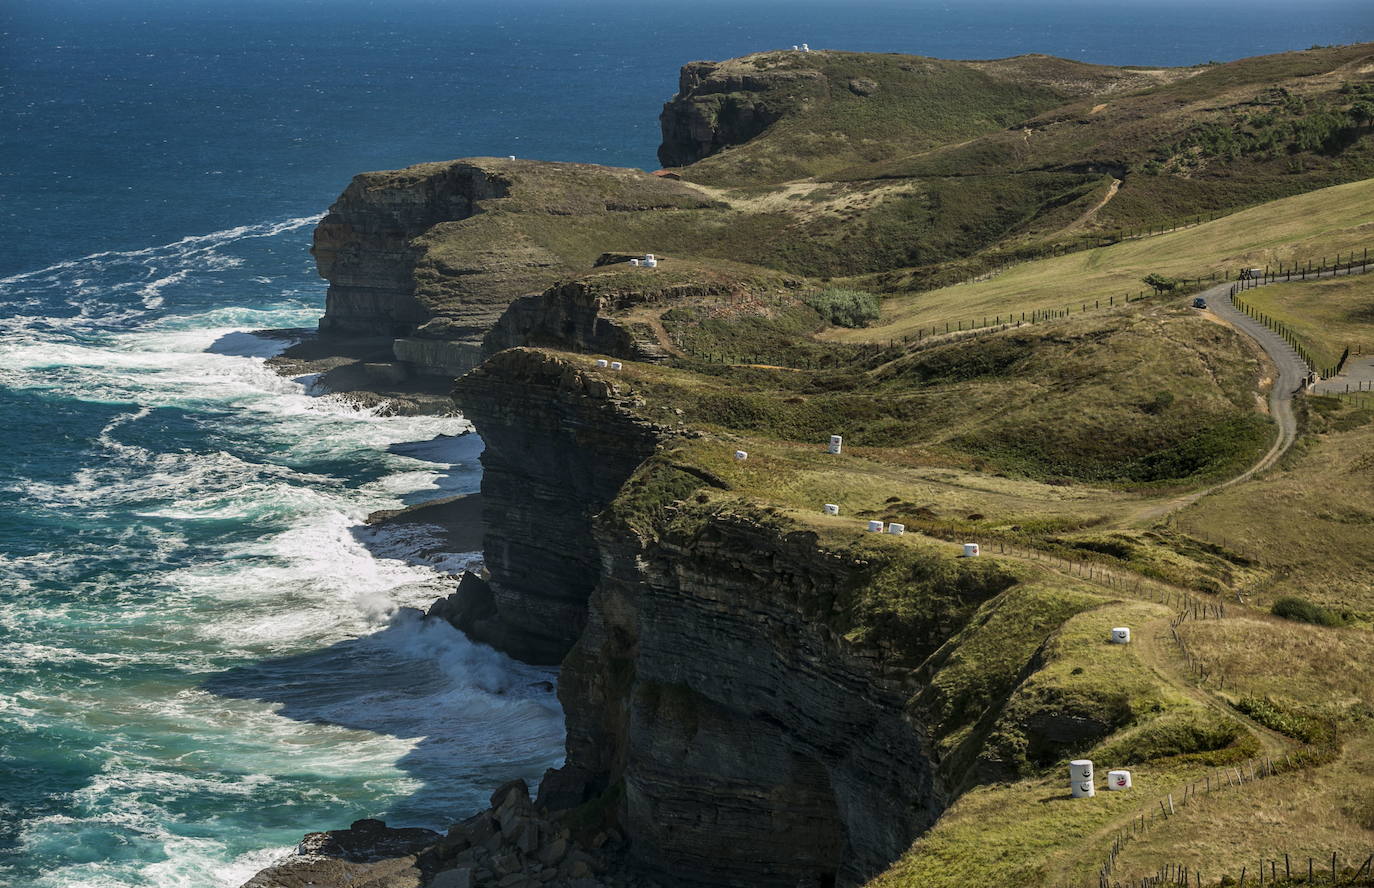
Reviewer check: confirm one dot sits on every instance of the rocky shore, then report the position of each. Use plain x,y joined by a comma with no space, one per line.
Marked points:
512,844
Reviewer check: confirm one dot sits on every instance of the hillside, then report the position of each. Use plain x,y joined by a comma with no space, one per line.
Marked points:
907,170
762,690
779,116
1309,227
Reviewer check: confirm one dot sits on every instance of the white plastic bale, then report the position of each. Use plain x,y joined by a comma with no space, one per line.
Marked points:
832,509
1121,635
616,365
1081,783
634,262
649,263
897,529
602,362
512,157
741,455
971,550
836,442
1118,781
875,527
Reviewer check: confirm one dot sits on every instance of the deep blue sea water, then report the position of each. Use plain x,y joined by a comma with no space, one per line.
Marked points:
201,654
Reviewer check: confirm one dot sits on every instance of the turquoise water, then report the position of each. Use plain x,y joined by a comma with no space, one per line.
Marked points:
202,652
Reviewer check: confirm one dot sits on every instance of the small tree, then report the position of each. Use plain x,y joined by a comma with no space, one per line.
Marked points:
1160,284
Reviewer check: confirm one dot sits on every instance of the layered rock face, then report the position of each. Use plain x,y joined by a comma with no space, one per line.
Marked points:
364,246
430,256
711,695
754,745
717,106
569,315
559,444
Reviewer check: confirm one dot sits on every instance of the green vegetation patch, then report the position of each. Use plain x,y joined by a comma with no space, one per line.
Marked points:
844,308
1201,736
1291,607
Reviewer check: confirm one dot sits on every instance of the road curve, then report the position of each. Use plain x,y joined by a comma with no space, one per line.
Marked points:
1291,375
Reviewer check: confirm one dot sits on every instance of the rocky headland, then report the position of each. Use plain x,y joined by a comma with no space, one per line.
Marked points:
759,696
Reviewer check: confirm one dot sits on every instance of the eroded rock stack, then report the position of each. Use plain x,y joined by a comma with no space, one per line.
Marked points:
560,442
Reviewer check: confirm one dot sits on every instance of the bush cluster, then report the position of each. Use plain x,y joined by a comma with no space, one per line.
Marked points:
845,308
1291,607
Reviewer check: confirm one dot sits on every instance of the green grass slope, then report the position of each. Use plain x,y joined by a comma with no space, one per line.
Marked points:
831,109
1308,226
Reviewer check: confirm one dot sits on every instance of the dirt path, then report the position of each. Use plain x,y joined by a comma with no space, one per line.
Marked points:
1083,219
1153,645
1290,375
653,319
1155,648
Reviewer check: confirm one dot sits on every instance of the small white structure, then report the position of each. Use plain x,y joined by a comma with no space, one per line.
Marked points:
616,365
1121,635
971,550
836,442
805,48
875,527
1081,779
832,509
1118,781
648,261
634,262
741,455
602,362
896,529
795,47
512,157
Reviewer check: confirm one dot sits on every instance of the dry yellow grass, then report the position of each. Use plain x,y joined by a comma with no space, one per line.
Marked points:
1328,316
1269,656
1307,226
1309,524
1313,812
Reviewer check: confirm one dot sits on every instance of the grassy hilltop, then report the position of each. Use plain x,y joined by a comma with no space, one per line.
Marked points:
832,213
906,173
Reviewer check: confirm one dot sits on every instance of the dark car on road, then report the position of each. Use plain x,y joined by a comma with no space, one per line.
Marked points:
1199,302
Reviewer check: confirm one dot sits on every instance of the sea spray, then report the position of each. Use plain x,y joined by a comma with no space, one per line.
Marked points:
203,650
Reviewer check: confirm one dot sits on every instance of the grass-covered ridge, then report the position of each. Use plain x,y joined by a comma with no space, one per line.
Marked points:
1320,223
831,109
1152,396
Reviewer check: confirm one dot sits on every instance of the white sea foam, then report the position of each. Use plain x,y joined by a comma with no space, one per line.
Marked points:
251,557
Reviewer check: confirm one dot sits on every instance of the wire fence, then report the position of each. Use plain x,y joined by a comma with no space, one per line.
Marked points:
1249,279
1283,872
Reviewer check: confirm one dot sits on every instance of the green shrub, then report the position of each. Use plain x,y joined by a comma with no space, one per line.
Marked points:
1291,607
845,308
1288,720
1201,736
1159,283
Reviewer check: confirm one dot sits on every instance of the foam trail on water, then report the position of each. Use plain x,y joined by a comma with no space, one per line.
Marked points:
202,650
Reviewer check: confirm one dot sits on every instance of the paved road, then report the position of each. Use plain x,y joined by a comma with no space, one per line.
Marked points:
1291,369
1292,376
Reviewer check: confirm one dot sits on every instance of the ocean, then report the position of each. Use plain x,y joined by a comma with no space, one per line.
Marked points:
203,653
